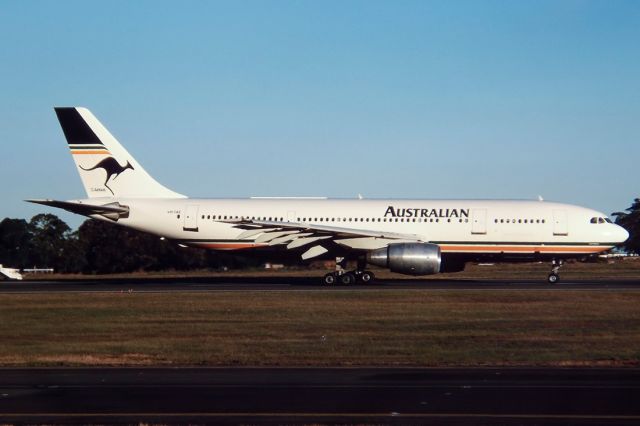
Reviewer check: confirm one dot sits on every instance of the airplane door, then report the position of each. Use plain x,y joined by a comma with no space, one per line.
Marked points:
479,221
291,216
191,218
560,223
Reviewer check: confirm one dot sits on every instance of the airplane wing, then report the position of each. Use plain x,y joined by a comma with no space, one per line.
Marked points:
113,211
296,235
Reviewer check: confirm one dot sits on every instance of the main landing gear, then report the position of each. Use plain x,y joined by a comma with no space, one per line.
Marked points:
554,277
344,277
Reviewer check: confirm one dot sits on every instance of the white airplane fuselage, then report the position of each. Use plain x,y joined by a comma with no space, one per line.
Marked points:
512,227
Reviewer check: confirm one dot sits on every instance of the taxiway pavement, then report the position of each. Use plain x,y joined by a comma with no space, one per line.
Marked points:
321,395
162,285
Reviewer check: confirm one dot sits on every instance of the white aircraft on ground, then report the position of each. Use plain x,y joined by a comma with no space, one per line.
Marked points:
414,237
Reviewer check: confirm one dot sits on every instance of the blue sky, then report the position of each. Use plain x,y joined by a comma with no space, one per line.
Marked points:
399,99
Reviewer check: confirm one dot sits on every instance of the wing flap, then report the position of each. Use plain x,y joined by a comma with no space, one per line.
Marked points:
334,231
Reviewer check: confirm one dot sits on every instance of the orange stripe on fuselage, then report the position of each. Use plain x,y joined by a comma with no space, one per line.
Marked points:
526,249
229,246
446,248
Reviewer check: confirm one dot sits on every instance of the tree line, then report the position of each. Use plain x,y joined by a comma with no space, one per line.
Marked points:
98,247
630,220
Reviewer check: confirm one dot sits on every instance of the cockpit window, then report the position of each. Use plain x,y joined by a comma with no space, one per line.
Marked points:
607,220
600,220
594,220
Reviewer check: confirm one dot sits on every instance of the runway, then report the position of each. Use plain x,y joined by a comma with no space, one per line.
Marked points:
313,395
212,284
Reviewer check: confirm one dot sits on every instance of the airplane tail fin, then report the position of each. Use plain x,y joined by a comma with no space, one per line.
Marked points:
105,167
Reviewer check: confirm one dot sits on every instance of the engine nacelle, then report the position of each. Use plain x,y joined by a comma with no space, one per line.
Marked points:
408,258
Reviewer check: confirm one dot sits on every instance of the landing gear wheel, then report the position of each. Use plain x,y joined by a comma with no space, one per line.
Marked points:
553,277
347,278
367,277
329,279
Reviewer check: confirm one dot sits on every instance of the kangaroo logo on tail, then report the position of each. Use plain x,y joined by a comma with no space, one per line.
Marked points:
111,167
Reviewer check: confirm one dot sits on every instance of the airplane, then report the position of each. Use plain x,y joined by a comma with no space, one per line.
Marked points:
407,236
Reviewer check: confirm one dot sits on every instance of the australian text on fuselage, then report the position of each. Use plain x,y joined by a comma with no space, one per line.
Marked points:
417,212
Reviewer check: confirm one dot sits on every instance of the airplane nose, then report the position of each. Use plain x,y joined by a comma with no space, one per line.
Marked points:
620,234
614,234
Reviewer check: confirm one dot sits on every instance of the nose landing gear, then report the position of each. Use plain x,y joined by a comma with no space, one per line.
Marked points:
554,277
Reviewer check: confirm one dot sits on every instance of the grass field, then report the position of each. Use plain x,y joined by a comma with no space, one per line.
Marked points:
385,327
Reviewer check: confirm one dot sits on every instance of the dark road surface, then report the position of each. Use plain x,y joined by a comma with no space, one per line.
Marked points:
312,395
162,285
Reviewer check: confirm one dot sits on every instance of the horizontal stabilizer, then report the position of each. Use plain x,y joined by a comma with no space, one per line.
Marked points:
113,211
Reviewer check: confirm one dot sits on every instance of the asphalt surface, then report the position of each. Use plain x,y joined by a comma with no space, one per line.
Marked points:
210,284
315,395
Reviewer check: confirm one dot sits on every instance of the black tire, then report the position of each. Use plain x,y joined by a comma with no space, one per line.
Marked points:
347,279
329,279
553,278
367,277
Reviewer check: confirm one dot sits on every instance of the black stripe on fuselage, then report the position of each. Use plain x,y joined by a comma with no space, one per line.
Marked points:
466,243
512,243
87,146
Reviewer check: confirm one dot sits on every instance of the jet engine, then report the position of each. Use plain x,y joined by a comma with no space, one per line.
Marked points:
408,258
